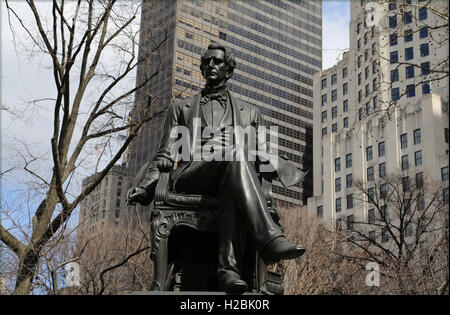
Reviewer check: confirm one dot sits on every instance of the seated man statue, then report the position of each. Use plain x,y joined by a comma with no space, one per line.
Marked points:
232,179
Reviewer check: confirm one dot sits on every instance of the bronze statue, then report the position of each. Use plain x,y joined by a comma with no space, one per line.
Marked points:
235,183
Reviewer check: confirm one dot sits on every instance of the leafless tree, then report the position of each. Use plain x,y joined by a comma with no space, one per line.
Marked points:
90,106
405,233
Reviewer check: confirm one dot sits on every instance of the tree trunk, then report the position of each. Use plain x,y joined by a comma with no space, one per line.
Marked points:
26,272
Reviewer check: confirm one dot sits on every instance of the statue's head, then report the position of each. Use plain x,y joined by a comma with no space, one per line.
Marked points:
217,64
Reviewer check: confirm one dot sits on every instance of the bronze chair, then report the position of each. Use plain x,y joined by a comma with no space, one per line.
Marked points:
182,212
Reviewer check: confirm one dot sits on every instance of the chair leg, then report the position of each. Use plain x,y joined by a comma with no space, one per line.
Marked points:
160,266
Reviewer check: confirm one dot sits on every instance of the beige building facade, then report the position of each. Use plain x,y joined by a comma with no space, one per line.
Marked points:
381,110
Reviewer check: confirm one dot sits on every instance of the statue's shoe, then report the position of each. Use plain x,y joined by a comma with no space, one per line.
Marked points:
232,285
280,249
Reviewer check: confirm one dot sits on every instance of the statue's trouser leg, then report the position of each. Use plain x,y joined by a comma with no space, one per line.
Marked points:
239,180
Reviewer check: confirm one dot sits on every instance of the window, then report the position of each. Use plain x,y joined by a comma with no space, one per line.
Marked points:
421,202
407,17
383,190
371,216
444,174
333,95
345,122
409,53
409,72
338,205
324,100
338,224
382,170
348,181
393,39
374,66
369,153
367,90
324,84
370,174
345,106
426,88
350,221
408,36
392,21
373,49
374,84
359,61
425,68
344,89
371,195
375,102
334,128
405,184
408,229
367,108
348,160
337,165
366,55
417,136
404,141
372,236
359,96
320,211
394,56
418,158
359,78
423,33
445,195
394,75
411,90
446,135
324,117
381,149
423,14
419,180
358,28
333,79
365,38
424,50
384,213
337,184
324,131
350,201
384,235
358,43
392,6
405,162
366,73
344,72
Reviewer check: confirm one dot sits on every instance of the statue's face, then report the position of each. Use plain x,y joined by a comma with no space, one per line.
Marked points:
214,68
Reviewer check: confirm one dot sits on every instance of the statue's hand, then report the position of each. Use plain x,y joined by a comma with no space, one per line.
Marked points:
137,194
164,165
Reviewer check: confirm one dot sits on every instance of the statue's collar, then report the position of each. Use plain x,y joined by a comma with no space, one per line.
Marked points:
209,91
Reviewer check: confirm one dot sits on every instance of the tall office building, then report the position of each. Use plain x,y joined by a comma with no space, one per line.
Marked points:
381,110
277,45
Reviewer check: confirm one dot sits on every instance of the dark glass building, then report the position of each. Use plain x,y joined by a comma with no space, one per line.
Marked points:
278,48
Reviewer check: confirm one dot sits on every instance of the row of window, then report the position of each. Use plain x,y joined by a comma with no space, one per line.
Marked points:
334,78
410,72
410,91
408,36
334,94
409,53
408,17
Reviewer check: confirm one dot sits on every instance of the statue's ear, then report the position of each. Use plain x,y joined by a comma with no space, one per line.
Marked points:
229,74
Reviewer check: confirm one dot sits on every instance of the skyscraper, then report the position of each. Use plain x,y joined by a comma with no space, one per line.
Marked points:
382,110
277,45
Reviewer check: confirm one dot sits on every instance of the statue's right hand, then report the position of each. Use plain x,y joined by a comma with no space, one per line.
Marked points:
137,194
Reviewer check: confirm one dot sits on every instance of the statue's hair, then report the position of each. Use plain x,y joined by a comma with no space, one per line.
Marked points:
230,62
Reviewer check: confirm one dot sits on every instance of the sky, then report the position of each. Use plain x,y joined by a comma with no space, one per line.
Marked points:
22,80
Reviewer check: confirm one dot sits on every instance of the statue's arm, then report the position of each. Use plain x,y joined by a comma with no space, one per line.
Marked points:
143,190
